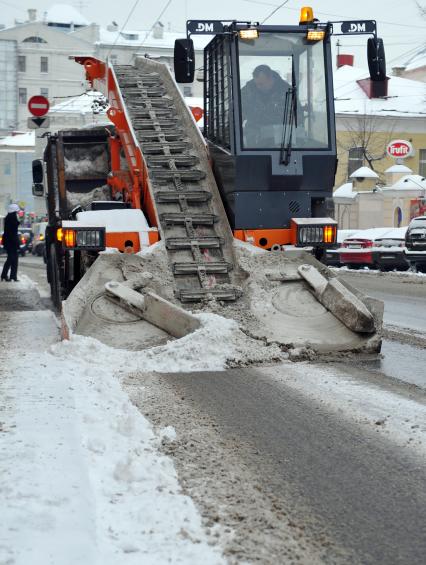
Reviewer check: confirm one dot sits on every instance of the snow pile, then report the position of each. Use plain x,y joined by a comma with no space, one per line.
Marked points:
82,479
218,344
84,199
95,165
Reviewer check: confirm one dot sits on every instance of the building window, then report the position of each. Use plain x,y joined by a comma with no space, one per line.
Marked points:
7,169
34,39
22,95
130,36
44,92
422,162
44,64
355,159
22,63
113,59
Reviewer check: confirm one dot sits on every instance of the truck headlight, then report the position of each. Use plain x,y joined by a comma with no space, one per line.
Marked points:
314,231
90,239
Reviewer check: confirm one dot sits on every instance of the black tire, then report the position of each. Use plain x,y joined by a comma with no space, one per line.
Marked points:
54,278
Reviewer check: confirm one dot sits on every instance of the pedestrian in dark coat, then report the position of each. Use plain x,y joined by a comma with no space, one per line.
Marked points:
11,244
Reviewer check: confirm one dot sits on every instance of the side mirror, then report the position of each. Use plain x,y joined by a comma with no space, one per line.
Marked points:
37,171
184,60
376,59
38,189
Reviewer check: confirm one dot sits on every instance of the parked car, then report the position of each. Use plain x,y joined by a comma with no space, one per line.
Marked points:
415,243
357,250
389,251
332,256
26,236
39,238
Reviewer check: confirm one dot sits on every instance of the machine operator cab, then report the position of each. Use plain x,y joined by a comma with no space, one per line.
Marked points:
269,116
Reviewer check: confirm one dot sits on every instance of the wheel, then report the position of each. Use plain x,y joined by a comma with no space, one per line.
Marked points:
54,278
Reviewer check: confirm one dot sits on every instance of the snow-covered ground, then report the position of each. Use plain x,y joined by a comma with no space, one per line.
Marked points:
82,480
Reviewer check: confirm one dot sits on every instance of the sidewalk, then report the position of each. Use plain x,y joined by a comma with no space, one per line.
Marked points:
82,481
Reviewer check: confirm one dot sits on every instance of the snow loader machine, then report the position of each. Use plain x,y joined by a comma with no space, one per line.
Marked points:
238,215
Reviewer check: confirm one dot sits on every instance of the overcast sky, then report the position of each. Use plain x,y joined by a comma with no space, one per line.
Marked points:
399,21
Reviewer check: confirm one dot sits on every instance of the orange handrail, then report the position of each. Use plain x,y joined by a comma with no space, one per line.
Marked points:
134,183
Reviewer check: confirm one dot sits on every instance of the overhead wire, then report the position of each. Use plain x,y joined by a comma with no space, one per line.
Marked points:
122,27
274,12
152,27
336,15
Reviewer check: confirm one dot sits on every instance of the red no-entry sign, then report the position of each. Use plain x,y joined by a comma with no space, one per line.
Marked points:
38,105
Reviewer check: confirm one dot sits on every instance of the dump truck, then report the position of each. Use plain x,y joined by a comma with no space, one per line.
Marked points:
260,177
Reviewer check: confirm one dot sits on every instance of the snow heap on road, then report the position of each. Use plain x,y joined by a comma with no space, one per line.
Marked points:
217,345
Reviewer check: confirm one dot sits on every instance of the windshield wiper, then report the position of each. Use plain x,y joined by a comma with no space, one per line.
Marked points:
289,120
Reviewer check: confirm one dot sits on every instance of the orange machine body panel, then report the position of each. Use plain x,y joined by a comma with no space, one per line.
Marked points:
118,239
267,238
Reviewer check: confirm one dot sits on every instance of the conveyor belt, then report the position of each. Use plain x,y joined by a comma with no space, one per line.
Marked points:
192,219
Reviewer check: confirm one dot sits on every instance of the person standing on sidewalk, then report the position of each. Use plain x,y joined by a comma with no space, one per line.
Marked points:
11,244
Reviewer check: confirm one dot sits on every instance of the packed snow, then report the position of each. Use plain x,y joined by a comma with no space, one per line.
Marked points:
82,478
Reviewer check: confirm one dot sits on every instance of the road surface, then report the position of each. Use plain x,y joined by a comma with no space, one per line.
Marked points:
304,462
309,462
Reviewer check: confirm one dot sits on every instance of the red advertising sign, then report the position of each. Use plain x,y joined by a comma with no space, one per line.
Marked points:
417,207
399,149
38,105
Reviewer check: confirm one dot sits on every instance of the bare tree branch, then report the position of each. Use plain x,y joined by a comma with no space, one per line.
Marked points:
369,133
422,9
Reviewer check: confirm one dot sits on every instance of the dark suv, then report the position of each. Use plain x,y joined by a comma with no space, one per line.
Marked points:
415,243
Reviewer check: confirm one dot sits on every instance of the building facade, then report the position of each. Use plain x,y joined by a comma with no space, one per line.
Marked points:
8,84
16,155
36,57
365,124
362,204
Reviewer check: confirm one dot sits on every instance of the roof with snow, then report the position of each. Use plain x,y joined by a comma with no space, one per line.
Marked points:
416,61
410,182
405,97
19,140
399,169
145,38
87,103
65,14
364,173
345,191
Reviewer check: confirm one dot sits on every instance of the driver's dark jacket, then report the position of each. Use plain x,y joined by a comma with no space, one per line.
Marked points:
264,108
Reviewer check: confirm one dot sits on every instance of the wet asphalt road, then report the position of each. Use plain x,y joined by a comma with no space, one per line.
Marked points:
405,300
403,356
338,482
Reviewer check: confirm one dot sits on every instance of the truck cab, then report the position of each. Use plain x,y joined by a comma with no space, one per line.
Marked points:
269,123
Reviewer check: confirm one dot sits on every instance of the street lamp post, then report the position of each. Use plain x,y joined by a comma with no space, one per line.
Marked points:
422,203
